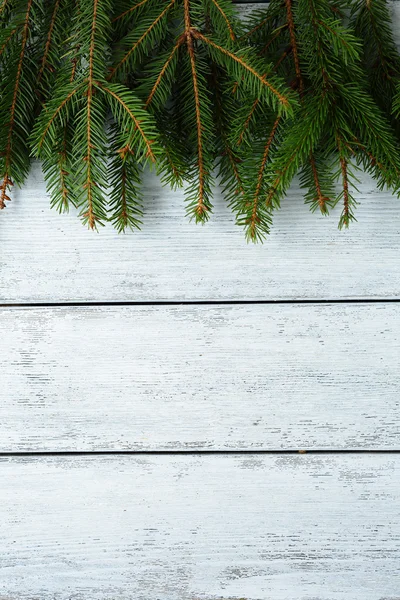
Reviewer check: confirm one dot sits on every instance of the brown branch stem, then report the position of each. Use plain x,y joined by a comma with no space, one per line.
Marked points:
201,208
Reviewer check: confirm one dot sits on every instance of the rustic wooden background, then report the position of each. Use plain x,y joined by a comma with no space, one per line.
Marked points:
157,387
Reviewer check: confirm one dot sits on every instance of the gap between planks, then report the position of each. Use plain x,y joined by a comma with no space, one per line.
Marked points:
277,452
101,303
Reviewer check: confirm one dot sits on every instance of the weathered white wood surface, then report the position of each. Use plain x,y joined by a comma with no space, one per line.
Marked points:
205,527
47,257
232,376
215,527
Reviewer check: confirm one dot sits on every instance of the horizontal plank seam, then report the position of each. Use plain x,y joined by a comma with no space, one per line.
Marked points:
88,453
100,303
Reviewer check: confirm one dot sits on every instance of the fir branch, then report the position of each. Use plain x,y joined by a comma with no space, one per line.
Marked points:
52,114
345,218
282,57
294,48
321,198
113,91
140,41
49,41
129,11
283,100
348,201
277,33
57,159
381,58
173,82
164,68
7,40
125,179
90,214
177,77
259,25
78,168
56,168
201,209
254,219
299,142
247,121
174,177
224,16
229,162
7,151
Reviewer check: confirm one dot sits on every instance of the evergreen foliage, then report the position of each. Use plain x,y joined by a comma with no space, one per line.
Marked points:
103,87
194,57
381,58
20,23
339,125
85,158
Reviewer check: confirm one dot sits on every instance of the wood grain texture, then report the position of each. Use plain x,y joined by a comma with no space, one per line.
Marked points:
200,377
47,257
200,528
226,527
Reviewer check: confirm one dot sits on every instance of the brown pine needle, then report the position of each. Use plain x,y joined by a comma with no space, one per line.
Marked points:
6,183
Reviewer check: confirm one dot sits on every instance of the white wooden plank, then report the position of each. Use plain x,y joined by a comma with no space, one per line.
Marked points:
193,377
48,257
201,528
